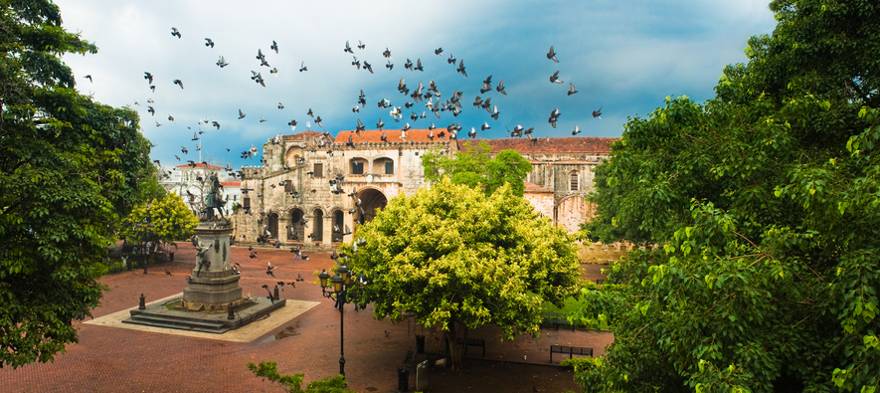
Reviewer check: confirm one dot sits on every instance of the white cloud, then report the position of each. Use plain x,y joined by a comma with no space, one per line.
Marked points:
620,54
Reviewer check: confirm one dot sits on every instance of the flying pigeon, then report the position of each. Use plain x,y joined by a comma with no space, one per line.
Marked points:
551,54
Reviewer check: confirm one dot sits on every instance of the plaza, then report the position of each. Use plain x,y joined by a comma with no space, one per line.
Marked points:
113,358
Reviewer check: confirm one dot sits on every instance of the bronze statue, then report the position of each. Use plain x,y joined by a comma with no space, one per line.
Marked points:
202,259
213,199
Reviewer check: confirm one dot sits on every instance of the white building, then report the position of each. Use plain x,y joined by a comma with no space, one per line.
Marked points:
190,182
232,194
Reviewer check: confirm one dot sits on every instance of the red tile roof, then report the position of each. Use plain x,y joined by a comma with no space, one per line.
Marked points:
302,135
549,145
393,136
231,183
201,165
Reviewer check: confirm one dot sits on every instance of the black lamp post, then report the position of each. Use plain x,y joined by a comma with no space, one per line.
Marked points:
336,288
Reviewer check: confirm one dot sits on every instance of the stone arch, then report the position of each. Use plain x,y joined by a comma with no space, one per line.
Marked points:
383,166
272,225
317,225
358,165
338,222
296,228
292,155
572,211
371,200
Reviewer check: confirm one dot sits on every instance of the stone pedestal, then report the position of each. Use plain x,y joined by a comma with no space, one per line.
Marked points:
213,285
211,290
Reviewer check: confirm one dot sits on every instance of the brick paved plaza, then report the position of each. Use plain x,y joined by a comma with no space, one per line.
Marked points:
109,359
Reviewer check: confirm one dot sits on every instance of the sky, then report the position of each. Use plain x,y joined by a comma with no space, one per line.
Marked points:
624,56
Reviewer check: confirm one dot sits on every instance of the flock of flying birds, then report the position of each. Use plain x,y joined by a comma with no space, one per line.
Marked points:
429,97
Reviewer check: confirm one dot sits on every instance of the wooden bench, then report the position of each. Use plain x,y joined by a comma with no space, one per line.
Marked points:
473,342
570,350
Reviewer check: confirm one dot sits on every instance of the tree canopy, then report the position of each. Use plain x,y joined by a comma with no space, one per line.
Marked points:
166,219
159,221
763,204
450,255
70,168
475,166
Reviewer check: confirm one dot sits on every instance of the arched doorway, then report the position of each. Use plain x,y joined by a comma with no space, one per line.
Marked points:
297,228
572,211
272,226
371,200
318,226
338,225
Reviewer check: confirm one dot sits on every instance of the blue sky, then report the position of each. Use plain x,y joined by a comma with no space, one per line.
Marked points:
623,56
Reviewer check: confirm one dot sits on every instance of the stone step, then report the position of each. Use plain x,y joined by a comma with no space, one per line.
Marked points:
179,316
177,323
177,326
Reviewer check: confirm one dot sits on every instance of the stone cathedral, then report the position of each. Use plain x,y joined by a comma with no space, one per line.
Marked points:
303,193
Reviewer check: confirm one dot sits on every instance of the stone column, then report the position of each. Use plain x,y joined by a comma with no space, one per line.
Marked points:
283,222
328,229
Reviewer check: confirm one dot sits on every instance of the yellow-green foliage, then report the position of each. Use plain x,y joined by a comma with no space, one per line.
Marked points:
452,254
166,219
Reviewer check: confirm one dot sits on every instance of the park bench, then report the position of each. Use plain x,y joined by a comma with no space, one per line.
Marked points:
570,350
473,342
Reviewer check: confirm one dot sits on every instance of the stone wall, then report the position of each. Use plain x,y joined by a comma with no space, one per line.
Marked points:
542,201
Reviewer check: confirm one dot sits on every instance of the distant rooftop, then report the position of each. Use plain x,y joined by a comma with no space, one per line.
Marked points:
302,135
394,136
201,165
548,145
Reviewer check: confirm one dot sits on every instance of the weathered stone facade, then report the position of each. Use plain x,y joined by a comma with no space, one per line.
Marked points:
290,197
561,176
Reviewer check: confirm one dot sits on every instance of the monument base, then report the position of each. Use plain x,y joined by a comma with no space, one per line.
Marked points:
172,314
212,291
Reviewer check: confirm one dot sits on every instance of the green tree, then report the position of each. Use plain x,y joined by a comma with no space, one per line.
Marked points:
69,169
475,166
455,258
293,383
159,221
763,204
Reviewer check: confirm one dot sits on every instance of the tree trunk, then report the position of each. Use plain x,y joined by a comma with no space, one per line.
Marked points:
452,348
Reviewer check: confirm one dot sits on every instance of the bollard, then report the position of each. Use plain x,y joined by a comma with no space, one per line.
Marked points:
142,302
276,294
402,380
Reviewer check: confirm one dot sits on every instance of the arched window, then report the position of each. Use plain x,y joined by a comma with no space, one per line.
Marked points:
296,228
358,166
575,183
383,166
272,227
338,225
